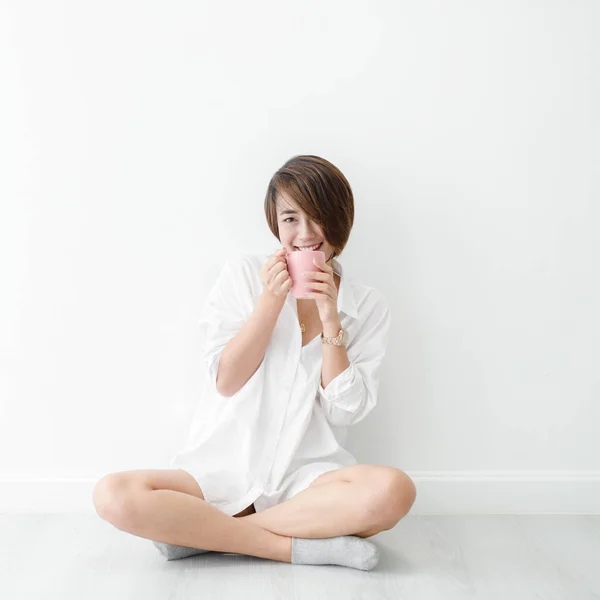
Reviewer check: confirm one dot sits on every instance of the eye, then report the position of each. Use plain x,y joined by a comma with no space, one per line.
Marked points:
285,220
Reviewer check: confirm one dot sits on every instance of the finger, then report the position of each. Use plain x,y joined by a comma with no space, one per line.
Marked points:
280,277
320,295
324,287
271,263
280,264
315,275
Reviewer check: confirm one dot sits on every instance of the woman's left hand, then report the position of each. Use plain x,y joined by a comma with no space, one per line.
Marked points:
321,286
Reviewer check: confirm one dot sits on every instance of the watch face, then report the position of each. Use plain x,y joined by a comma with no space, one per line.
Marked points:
345,337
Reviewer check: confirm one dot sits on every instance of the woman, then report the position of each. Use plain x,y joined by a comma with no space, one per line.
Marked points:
264,471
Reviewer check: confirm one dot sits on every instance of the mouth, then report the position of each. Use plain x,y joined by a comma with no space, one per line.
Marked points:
314,250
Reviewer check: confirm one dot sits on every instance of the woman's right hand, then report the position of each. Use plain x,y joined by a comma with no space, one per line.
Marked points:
275,276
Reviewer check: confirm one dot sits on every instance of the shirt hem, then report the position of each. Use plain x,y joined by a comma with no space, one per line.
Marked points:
232,508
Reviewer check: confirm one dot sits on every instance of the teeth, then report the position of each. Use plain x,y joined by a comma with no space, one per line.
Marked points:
309,247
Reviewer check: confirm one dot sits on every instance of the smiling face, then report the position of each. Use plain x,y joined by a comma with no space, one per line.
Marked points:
320,202
296,229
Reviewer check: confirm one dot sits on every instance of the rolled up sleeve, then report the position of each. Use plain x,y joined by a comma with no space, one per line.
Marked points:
225,311
352,394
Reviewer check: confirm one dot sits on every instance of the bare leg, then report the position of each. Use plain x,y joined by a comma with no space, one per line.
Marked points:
321,511
177,518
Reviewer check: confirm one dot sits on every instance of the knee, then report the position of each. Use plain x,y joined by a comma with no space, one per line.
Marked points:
113,499
393,494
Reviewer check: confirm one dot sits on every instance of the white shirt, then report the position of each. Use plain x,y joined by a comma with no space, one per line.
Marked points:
282,418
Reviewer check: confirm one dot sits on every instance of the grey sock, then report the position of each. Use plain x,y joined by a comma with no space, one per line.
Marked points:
172,552
346,550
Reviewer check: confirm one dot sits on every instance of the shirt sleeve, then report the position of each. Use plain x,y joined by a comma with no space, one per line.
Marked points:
227,307
352,394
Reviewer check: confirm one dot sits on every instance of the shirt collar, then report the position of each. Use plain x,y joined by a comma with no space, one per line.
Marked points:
346,301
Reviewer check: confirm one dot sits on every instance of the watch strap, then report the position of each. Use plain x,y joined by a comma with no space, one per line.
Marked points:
334,341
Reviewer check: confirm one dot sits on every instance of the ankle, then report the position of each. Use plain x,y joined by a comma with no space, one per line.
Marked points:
286,549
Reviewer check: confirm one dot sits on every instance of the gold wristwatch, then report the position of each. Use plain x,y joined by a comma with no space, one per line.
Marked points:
340,340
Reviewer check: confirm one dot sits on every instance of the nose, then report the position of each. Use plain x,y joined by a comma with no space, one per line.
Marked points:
306,231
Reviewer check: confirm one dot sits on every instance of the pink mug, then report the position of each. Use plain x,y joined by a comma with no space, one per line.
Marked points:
298,262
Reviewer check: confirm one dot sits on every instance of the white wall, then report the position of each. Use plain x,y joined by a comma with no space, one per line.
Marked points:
137,140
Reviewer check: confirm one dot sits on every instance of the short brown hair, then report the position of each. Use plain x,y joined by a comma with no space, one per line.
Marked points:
321,191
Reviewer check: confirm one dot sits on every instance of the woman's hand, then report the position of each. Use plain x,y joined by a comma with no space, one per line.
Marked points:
275,276
321,284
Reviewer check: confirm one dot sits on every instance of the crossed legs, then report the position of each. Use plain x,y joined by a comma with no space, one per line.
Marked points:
359,500
167,505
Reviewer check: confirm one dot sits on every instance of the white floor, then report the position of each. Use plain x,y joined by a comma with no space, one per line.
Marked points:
504,557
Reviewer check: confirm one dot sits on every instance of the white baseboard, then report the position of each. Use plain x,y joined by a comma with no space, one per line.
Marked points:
506,492
438,492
